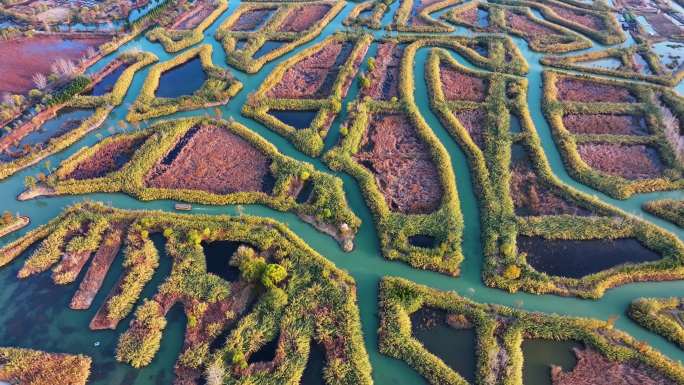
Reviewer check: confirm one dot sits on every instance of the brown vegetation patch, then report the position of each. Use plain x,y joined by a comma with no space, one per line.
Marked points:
527,26
663,25
102,261
583,90
313,76
194,16
403,166
530,196
26,56
474,122
215,160
627,161
459,86
605,124
251,20
385,76
579,17
302,18
593,368
107,159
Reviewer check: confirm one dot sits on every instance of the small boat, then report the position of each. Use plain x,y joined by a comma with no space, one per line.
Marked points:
183,207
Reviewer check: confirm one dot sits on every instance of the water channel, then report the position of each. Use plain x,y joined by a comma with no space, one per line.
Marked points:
36,314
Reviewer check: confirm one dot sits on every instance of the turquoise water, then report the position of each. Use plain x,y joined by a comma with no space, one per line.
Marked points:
42,319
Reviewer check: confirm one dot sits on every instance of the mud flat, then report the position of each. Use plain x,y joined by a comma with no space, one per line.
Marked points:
17,224
14,146
252,20
384,79
578,16
194,16
474,122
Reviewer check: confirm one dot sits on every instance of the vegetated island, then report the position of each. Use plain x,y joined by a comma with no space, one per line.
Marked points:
499,336
208,161
258,301
660,315
669,209
33,367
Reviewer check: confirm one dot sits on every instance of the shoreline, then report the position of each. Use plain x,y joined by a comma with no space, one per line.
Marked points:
20,223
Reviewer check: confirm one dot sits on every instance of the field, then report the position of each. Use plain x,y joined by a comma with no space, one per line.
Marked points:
25,57
335,192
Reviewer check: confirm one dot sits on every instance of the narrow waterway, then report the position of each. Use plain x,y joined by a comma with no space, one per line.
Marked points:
66,330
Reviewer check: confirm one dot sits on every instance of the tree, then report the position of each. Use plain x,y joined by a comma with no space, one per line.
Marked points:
40,80
512,272
252,268
7,218
272,275
30,182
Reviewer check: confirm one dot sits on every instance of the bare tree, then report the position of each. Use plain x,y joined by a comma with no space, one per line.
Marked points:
40,81
64,68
